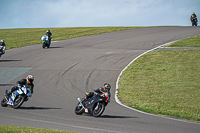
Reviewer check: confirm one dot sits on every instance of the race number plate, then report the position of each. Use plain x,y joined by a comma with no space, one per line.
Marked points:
86,110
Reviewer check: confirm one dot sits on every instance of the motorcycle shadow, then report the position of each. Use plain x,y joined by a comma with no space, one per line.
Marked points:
116,116
110,116
9,60
37,108
54,47
7,84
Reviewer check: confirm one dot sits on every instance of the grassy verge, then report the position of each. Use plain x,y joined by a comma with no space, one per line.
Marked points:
15,38
165,82
15,129
187,42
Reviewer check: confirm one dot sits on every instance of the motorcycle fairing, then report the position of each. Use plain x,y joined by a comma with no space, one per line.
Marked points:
19,91
89,104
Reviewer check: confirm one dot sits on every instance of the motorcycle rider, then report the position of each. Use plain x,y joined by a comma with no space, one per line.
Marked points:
193,16
105,89
28,82
2,43
49,34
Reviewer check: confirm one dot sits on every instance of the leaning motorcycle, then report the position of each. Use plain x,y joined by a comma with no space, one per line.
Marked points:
194,21
17,98
94,105
46,41
2,50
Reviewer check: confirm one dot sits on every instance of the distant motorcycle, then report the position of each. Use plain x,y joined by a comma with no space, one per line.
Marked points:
2,50
94,105
17,98
46,41
194,21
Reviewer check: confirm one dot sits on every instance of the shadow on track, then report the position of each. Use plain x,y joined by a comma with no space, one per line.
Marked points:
9,60
55,47
7,84
112,116
37,108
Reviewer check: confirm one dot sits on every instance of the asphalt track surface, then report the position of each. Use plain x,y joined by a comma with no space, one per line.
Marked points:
70,67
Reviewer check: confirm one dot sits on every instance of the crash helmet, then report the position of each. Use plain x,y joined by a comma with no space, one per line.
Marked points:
2,41
48,30
193,13
107,86
30,79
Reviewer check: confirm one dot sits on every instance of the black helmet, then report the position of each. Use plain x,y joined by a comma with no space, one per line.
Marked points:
107,86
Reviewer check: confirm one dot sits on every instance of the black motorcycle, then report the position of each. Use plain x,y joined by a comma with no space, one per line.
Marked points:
194,21
94,105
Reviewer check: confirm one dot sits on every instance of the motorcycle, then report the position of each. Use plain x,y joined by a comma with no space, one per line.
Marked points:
94,105
46,41
2,50
17,98
194,21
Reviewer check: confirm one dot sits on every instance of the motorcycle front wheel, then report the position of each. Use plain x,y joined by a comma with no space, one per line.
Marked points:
4,102
79,110
98,109
43,45
19,100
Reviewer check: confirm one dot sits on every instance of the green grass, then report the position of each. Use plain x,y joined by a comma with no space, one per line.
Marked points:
165,82
15,129
160,82
187,42
15,38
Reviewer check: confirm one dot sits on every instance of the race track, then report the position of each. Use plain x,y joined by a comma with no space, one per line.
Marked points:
70,67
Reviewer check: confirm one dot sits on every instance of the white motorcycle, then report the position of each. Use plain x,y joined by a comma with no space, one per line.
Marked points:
17,98
46,41
2,50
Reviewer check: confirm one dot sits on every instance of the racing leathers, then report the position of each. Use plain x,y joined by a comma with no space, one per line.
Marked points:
21,83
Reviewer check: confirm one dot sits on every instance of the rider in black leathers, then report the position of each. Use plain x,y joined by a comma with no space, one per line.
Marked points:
106,88
28,82
49,34
193,16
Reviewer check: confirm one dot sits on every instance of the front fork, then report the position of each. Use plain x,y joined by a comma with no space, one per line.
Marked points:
79,99
6,94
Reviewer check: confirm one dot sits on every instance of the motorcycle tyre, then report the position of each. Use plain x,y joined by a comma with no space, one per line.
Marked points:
43,45
22,99
79,111
4,102
100,112
48,45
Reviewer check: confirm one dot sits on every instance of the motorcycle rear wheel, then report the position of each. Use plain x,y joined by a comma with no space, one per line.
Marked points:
79,110
4,102
98,109
19,100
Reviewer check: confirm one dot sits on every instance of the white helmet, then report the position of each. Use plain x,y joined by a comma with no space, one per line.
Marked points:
2,41
29,79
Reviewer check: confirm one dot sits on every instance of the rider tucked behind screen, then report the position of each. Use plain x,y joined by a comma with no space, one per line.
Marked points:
105,89
49,34
28,82
193,17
